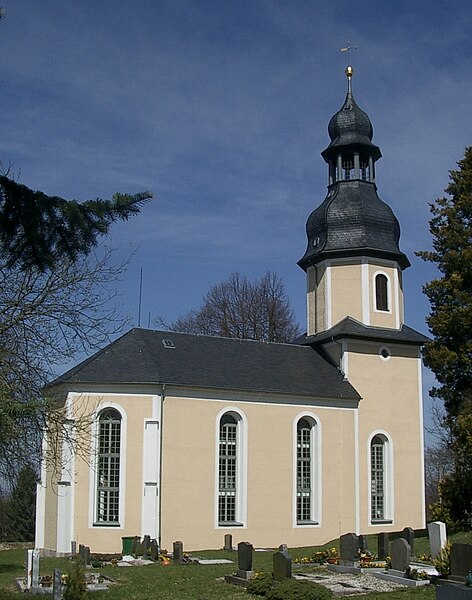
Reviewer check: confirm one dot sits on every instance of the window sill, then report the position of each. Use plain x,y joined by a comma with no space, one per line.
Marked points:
306,523
230,524
105,525
381,522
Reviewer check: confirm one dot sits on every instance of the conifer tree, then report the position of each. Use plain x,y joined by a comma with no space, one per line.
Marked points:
21,507
449,354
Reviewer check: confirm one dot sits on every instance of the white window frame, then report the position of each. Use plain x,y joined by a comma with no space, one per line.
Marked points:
241,468
93,482
388,479
389,293
316,475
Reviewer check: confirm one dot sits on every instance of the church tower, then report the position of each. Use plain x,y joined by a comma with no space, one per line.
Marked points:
354,269
353,261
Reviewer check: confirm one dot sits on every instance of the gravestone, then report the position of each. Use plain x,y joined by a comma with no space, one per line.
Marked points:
154,550
35,570
400,554
349,550
57,585
29,569
282,565
245,552
382,545
228,542
146,545
138,549
409,535
73,548
437,537
362,543
461,561
134,545
178,552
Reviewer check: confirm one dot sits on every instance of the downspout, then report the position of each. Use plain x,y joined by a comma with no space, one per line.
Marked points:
163,388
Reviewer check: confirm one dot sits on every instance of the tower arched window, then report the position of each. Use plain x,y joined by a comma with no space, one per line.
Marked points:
364,169
305,492
381,292
380,479
108,467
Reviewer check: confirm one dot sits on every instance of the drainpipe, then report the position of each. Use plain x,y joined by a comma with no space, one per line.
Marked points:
163,389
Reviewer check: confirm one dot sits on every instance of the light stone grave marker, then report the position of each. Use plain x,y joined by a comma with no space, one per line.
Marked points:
437,537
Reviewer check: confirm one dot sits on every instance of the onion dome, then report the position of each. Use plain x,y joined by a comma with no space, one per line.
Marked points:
352,220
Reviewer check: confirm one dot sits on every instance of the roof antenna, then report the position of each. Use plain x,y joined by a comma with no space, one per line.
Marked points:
140,296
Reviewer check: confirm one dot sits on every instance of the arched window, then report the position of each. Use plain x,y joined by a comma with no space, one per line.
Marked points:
108,467
348,167
378,479
228,470
305,471
381,292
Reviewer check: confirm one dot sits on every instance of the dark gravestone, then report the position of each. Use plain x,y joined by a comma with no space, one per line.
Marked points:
138,549
382,546
146,545
73,548
87,555
134,545
348,549
154,550
178,552
409,535
362,543
228,542
282,564
401,554
245,552
57,585
461,561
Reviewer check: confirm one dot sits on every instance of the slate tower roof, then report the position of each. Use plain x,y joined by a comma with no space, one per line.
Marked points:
352,220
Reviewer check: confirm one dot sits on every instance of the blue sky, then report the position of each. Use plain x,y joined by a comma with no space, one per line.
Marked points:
221,110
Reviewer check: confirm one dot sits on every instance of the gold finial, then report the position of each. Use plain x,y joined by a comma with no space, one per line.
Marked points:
349,72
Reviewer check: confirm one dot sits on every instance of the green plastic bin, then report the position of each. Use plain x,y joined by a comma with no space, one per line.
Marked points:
127,545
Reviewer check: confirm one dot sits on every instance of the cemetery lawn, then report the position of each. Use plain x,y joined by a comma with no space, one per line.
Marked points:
190,581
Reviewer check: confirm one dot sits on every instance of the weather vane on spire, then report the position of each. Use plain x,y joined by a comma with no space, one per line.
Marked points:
348,49
349,70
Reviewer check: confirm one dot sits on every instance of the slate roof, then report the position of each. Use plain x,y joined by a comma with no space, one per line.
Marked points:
352,221
139,357
353,329
350,128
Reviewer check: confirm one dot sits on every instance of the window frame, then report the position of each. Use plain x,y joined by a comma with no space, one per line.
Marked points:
315,471
382,294
240,490
387,479
94,471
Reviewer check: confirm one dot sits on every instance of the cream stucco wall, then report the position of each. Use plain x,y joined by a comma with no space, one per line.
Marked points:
346,287
391,403
189,482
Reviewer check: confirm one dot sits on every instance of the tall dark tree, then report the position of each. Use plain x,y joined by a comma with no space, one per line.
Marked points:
240,308
449,354
37,230
21,507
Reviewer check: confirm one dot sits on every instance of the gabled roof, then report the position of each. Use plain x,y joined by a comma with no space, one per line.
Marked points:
351,328
140,357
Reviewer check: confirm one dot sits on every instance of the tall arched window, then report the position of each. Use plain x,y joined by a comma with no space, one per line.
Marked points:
381,292
305,471
108,467
228,479
378,478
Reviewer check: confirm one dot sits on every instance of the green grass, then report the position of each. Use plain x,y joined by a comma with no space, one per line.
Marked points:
191,581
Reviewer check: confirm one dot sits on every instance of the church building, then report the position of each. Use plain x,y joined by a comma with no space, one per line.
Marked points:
190,437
